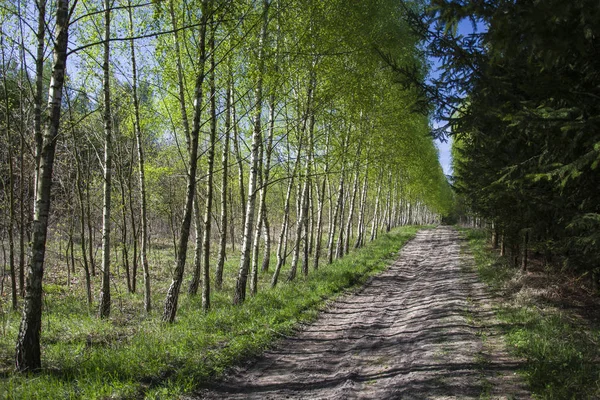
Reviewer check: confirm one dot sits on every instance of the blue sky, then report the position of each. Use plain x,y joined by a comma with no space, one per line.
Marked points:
444,155
465,27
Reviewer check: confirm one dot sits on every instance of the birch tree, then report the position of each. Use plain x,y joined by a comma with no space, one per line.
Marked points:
28,357
172,298
142,177
104,304
242,278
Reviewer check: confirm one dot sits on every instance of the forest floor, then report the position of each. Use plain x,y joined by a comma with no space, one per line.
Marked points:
424,328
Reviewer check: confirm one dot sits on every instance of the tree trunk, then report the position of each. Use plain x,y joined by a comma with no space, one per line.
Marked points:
70,247
130,204
308,228
374,226
388,204
134,231
263,192
524,255
195,282
180,79
90,228
209,178
393,217
231,220
267,226
240,164
299,229
104,306
224,180
240,290
311,216
11,189
320,206
302,225
173,292
282,244
340,241
515,253
351,211
319,234
361,229
78,183
39,86
197,271
259,221
298,199
142,176
124,250
22,180
402,212
28,357
22,223
329,212
336,215
309,167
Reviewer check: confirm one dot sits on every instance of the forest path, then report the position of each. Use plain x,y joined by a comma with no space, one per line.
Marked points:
422,329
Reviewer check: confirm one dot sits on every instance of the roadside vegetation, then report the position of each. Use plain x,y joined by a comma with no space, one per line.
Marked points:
137,355
188,147
548,322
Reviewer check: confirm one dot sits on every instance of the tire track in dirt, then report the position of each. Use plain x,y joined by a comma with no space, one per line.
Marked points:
422,329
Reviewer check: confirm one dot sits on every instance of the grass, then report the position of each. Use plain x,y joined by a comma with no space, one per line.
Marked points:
560,352
132,355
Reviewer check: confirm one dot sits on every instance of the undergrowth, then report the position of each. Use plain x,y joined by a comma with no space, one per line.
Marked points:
134,356
561,354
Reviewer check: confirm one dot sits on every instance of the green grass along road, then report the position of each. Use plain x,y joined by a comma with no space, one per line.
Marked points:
560,352
129,356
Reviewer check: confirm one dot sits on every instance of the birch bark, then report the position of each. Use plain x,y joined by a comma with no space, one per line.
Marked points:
105,298
240,290
172,298
28,354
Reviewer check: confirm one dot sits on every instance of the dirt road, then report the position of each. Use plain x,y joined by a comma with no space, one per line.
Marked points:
420,330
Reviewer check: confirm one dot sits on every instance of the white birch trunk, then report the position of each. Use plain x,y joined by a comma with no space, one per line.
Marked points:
28,353
104,307
240,290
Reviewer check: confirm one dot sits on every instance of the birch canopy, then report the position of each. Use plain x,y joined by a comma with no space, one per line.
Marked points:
232,147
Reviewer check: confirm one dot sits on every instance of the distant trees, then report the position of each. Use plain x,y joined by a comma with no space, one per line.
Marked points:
284,112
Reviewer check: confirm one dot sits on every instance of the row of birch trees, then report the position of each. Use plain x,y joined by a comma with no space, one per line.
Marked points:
269,129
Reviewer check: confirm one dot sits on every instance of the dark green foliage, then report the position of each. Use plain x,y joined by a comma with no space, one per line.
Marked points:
525,114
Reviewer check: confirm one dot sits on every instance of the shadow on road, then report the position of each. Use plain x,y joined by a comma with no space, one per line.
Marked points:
419,330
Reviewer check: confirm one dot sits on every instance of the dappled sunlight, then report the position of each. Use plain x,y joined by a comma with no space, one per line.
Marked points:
413,331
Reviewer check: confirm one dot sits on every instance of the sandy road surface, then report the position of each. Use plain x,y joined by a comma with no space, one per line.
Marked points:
420,330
